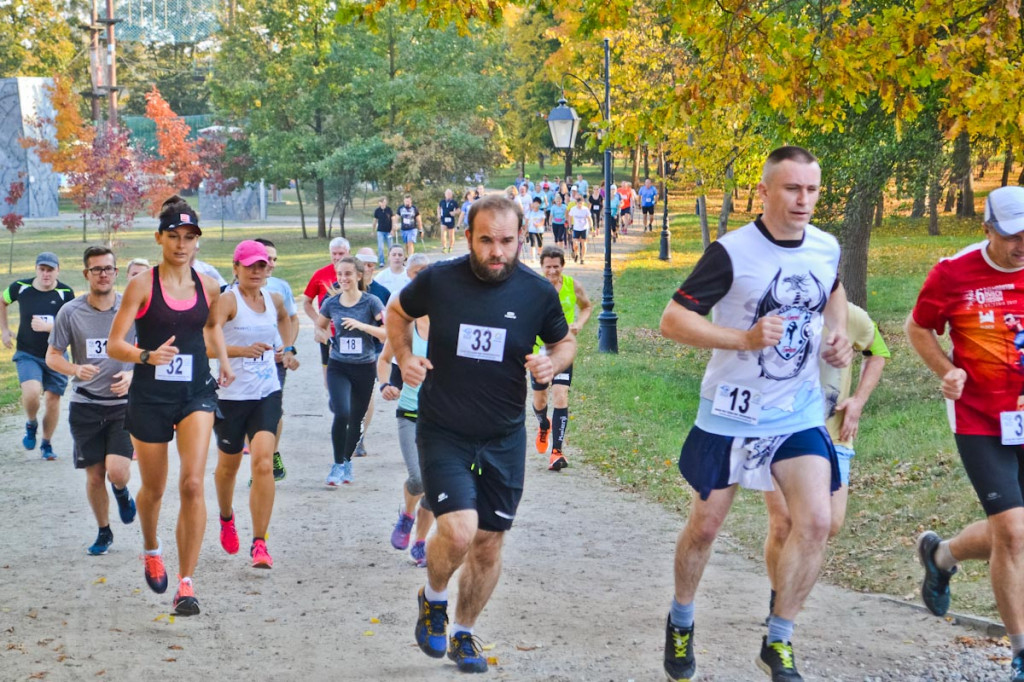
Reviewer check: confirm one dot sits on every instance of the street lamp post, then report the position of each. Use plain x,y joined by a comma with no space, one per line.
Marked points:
563,123
663,251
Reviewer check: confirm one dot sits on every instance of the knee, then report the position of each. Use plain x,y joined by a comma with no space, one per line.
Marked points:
94,475
262,466
458,537
414,485
52,399
701,532
1009,540
191,487
119,475
814,527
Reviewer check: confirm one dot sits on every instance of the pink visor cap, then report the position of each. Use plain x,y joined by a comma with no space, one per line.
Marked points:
249,252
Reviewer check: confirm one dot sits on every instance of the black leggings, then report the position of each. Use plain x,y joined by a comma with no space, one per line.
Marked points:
350,387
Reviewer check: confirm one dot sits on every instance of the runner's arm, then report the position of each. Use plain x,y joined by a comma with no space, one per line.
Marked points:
584,304
309,309
853,407
56,361
685,326
836,349
926,343
213,334
387,390
135,296
398,325
4,324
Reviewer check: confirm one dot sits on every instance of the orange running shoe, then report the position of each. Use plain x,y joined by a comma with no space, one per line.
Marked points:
557,462
542,441
185,602
229,535
156,576
260,555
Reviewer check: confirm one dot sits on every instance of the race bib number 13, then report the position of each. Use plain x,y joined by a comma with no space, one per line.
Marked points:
481,343
1012,427
179,369
738,403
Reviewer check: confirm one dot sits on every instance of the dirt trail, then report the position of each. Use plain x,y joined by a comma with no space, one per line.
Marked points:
583,595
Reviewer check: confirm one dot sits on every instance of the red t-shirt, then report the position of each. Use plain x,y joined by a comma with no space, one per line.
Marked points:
625,197
321,280
971,295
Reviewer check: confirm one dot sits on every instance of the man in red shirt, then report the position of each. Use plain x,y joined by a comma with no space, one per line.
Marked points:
979,295
322,280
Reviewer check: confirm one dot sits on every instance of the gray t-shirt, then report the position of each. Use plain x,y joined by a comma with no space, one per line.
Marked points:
86,329
351,345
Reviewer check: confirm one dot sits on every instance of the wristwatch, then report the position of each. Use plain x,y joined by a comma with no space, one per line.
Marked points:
290,349
144,357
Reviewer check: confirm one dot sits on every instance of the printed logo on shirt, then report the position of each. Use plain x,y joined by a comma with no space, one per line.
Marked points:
986,317
795,298
510,315
442,497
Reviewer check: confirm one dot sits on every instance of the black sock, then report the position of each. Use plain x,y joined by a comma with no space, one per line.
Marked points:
561,421
771,603
105,530
228,518
542,418
119,492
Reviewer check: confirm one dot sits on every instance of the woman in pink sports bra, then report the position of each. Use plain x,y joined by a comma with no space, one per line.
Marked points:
172,389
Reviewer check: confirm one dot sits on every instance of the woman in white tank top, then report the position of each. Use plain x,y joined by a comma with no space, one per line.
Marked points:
254,322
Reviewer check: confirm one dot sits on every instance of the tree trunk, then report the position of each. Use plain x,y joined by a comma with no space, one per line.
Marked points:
880,209
636,164
855,239
702,209
920,198
950,199
341,218
750,201
330,223
723,217
1007,164
568,164
321,209
934,194
647,162
963,176
540,161
302,212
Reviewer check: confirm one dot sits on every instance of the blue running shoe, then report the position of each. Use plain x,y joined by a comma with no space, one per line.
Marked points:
431,625
680,662
47,451
400,535
1017,669
337,473
419,553
104,539
346,475
465,650
935,586
125,504
29,441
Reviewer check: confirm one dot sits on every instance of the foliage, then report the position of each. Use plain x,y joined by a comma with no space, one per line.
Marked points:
36,38
177,157
12,220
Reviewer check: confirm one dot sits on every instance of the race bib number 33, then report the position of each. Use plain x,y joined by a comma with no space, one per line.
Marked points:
1011,426
738,403
481,343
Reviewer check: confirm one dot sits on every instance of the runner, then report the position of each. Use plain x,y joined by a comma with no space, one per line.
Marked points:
384,219
470,433
38,301
446,211
842,412
394,277
137,266
616,203
648,199
98,394
279,286
535,228
411,223
467,202
596,206
582,186
172,394
979,295
317,290
558,216
570,295
356,317
417,263
204,268
580,216
761,413
254,321
370,286
625,206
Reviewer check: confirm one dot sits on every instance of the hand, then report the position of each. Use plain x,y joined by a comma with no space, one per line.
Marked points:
540,367
226,375
256,350
290,362
953,383
351,323
7,338
86,372
390,393
123,383
574,328
851,409
40,325
164,354
279,355
836,350
414,370
765,334
321,335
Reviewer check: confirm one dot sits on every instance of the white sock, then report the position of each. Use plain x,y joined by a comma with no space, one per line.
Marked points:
187,579
155,552
944,558
1017,644
431,595
456,628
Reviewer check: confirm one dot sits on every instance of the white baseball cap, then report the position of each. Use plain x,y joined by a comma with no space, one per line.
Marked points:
1004,210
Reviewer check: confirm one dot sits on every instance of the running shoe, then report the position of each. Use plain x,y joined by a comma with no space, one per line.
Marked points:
346,475
430,626
400,535
360,450
156,576
125,504
245,450
104,539
260,555
229,535
777,661
1017,669
935,586
29,441
680,663
185,602
47,451
542,441
557,461
337,473
467,652
279,471
419,553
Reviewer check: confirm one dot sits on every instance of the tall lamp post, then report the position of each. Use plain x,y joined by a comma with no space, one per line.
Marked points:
563,121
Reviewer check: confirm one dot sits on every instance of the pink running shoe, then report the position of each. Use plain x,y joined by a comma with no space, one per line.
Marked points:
260,555
228,535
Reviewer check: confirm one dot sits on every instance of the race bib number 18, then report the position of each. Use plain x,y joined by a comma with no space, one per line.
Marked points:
350,345
1012,427
481,343
738,403
179,369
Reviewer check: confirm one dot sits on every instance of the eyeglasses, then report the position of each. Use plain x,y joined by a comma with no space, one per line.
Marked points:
105,270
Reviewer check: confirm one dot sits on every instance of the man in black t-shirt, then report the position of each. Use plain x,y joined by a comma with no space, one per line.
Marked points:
446,210
471,434
38,300
384,218
410,224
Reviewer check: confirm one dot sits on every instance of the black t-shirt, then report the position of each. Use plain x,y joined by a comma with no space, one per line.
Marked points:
478,348
408,216
448,207
32,302
595,204
383,217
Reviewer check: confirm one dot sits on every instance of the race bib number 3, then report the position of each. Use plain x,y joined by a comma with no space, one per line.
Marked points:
1012,427
738,403
481,343
350,345
179,369
95,349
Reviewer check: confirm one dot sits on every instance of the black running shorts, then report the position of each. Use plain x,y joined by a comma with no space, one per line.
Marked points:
460,473
98,430
647,210
996,471
240,418
155,422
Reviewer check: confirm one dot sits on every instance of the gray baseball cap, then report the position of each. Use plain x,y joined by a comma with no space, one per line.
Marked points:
48,258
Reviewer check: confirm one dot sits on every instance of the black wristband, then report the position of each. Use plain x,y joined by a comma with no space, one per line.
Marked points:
385,385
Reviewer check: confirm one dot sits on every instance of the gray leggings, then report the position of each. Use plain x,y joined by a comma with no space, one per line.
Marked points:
411,455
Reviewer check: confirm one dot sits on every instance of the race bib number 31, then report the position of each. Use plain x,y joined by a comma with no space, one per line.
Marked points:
179,369
481,343
1012,427
738,403
95,348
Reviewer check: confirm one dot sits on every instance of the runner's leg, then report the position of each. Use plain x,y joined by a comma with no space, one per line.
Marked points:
152,458
52,414
31,394
261,495
96,491
449,546
1007,566
693,546
479,576
193,439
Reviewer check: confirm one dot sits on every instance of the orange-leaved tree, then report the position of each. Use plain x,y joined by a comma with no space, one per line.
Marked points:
178,164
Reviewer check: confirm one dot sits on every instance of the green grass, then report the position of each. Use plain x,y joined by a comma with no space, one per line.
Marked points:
631,412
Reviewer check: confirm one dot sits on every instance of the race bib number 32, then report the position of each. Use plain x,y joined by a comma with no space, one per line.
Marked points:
179,369
738,403
1012,428
481,343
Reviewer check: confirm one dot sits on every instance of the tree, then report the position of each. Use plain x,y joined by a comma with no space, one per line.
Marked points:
13,220
36,38
177,165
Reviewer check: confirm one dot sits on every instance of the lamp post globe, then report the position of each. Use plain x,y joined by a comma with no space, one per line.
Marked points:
564,124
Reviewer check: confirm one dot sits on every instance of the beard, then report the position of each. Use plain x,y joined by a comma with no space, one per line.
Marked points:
484,273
